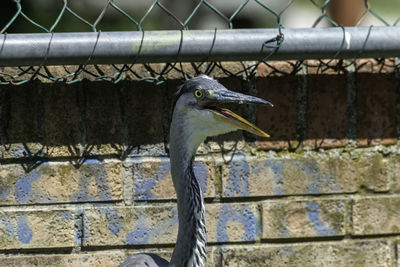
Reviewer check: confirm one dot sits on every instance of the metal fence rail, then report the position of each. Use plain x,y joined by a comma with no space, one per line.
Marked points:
31,41
204,45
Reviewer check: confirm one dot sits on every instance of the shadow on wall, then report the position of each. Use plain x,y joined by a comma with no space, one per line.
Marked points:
89,113
324,110
93,114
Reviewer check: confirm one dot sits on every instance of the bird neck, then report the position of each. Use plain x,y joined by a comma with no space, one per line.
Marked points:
191,242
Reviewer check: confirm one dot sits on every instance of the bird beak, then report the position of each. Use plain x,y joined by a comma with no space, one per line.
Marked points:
227,116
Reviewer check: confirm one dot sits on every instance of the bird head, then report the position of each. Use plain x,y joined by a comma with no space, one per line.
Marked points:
197,106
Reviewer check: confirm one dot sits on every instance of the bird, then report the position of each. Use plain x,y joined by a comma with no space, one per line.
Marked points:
196,115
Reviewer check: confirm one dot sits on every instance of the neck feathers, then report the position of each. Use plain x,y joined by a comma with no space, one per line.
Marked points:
190,248
191,242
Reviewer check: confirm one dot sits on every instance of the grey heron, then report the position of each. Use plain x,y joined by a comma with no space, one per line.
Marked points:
196,116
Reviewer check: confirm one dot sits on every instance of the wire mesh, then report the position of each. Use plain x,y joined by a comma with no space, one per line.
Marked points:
47,16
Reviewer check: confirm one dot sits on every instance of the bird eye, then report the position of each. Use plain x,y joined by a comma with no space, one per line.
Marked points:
198,93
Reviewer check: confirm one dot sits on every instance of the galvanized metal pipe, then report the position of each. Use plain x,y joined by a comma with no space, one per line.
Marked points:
196,45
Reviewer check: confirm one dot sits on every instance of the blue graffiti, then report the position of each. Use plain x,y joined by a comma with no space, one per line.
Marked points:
239,171
67,215
23,192
8,226
23,186
101,178
318,182
245,216
277,169
114,223
140,235
144,185
174,220
4,191
24,231
326,181
315,219
312,169
283,232
104,191
143,189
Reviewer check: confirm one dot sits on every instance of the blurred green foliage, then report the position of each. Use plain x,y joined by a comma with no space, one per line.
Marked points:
33,16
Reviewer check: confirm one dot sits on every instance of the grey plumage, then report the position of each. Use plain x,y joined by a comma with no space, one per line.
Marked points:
195,116
145,259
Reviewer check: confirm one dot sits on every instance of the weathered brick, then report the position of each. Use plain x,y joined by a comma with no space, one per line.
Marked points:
112,226
21,150
144,225
233,222
393,172
373,66
37,229
222,146
276,68
326,96
152,179
30,150
101,259
397,252
56,182
247,176
280,121
374,171
376,215
323,67
304,218
93,72
345,253
376,109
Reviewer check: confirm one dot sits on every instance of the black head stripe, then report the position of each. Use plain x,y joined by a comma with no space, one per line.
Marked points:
200,82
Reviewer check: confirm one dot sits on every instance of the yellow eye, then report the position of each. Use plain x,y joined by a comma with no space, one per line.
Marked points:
198,93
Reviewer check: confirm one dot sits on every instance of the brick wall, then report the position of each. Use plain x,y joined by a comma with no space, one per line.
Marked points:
85,176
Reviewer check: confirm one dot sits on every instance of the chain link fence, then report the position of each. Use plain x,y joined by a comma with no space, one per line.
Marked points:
44,16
